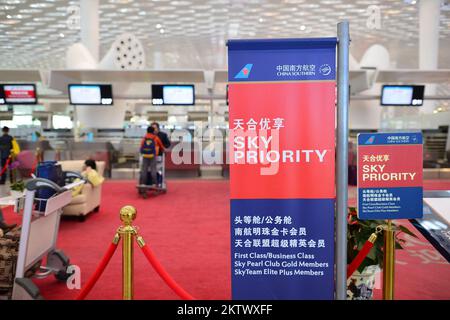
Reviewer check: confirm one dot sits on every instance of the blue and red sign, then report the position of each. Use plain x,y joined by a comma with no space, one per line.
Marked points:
390,176
282,172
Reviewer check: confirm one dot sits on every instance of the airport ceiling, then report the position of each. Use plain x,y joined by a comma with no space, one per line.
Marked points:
193,33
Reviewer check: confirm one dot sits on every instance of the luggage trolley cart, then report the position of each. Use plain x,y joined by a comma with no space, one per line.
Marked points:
161,177
38,237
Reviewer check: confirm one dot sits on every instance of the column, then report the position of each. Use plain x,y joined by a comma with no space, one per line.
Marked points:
429,13
158,63
89,23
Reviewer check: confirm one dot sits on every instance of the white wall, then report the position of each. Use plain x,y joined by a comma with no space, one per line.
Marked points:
366,114
105,116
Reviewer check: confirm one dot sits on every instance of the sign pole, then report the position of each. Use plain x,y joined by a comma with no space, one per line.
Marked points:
342,159
389,262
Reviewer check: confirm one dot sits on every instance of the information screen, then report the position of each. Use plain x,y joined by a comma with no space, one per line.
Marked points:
18,94
402,95
90,94
173,94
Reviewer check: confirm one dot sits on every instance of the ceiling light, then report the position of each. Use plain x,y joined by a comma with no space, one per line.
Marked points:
261,20
41,5
165,8
158,26
33,11
13,1
201,7
303,28
128,10
44,19
7,7
10,21
61,35
120,1
180,3
161,30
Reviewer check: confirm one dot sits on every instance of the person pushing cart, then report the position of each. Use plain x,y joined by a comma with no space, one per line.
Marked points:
151,149
162,136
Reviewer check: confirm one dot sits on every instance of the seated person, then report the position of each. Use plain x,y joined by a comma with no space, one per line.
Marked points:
90,174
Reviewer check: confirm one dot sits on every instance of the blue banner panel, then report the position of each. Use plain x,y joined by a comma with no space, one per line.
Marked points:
389,203
282,248
282,60
368,139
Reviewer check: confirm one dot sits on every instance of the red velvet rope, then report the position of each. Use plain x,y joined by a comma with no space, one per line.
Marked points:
164,275
33,167
359,258
98,272
5,167
368,245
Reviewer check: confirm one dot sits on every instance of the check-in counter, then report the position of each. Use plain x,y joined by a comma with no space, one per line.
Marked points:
430,173
185,166
444,173
99,151
42,149
62,149
43,145
436,173
186,152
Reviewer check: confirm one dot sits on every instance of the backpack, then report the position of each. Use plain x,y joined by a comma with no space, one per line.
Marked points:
148,148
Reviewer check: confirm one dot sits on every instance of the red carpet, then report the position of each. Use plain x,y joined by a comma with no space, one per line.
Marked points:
188,230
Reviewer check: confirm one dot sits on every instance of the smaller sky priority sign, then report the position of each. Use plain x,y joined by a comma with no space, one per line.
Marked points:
390,167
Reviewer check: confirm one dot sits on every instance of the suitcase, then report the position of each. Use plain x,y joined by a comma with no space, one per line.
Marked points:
52,171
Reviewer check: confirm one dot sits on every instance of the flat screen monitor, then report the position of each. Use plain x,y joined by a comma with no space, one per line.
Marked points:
402,95
18,93
173,94
90,94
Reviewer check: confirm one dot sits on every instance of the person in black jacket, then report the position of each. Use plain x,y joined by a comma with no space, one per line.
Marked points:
162,136
5,151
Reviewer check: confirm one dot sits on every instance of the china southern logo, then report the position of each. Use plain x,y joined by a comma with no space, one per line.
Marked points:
325,69
245,72
370,140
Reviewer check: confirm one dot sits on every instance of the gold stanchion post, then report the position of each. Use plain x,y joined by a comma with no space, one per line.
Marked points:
127,232
389,262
